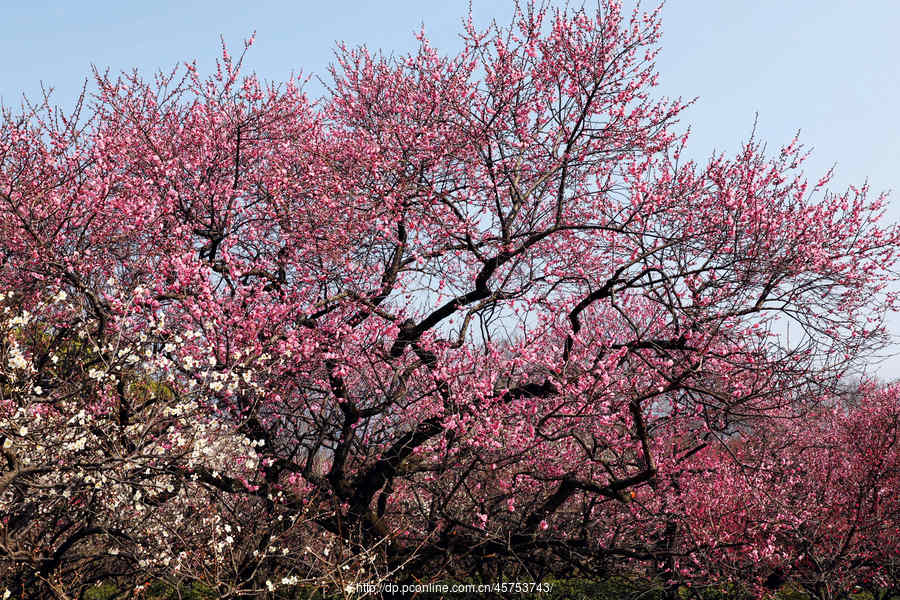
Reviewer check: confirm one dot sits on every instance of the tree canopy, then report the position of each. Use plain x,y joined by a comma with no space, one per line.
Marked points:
464,314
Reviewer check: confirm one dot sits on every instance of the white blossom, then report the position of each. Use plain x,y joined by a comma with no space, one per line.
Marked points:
16,360
20,320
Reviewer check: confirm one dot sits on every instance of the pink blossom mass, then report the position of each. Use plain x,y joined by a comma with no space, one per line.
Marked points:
467,315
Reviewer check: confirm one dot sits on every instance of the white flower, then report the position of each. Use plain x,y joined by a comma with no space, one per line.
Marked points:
270,586
23,431
7,594
16,360
38,390
60,296
22,319
7,443
170,347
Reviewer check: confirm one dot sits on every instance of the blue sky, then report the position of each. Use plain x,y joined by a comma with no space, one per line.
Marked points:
828,68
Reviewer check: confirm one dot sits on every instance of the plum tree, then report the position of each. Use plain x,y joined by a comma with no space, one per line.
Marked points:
470,312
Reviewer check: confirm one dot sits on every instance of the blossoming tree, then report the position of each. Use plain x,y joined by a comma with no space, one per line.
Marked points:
808,501
474,310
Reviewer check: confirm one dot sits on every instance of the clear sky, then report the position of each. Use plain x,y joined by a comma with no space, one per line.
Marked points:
826,67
